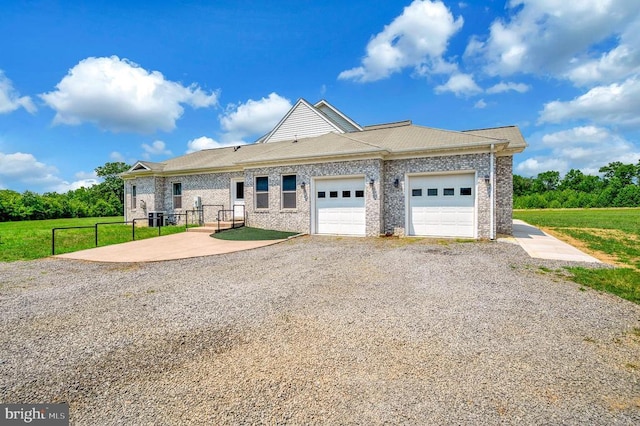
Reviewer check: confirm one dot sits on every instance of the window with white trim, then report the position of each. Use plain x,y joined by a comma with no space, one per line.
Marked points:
262,192
177,195
134,197
289,191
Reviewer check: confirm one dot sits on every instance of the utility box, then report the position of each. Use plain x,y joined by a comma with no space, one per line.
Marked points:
156,219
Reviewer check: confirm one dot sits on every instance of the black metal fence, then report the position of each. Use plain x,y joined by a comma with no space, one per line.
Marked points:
172,219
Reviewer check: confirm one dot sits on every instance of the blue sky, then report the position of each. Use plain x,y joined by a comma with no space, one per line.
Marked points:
84,83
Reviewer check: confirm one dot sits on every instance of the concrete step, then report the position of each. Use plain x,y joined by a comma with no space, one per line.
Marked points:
212,227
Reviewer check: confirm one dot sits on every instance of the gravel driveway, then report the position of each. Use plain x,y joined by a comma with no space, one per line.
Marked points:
320,330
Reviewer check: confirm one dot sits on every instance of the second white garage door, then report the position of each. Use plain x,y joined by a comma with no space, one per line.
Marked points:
442,205
340,206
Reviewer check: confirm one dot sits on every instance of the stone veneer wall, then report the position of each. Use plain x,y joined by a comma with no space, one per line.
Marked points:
299,219
394,201
385,204
504,195
149,194
212,188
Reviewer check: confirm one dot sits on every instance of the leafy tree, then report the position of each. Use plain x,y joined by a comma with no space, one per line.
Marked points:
113,183
546,181
625,173
522,185
629,196
9,202
572,180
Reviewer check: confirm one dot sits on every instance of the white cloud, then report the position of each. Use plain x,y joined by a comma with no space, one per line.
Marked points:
460,85
616,104
118,95
586,148
25,167
418,39
117,157
505,87
10,100
204,142
156,148
22,171
616,64
253,118
560,37
536,165
481,104
84,179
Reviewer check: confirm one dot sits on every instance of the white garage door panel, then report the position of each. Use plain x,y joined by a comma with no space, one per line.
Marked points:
344,214
440,215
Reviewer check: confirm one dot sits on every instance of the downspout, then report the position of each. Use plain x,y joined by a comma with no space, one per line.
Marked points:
492,195
124,200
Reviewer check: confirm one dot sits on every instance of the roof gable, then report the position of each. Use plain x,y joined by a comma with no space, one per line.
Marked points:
145,166
303,121
345,123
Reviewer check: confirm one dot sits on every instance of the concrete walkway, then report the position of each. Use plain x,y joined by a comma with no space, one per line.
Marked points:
176,246
541,245
195,244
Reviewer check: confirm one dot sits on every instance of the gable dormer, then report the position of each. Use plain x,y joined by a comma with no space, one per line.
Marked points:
305,120
345,123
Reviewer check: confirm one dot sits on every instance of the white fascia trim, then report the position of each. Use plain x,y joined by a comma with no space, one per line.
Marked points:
334,109
136,167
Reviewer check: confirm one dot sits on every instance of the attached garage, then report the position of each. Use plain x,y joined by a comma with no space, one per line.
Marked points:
340,206
442,205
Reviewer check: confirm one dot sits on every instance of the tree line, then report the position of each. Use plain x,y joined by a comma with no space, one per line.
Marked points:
618,186
103,199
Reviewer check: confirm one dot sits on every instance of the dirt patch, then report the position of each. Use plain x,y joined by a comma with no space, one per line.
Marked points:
607,233
580,245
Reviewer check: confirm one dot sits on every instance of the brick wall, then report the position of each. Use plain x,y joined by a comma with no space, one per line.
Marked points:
299,219
394,202
385,204
504,195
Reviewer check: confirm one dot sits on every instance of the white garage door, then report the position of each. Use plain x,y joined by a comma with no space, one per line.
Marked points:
340,206
442,206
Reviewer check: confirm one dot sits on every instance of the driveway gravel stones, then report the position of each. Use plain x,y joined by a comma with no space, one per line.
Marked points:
320,331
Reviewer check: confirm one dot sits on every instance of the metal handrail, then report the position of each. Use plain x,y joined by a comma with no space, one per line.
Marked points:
212,205
233,218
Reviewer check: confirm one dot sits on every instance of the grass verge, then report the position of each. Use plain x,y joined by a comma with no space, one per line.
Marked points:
247,233
611,235
623,282
28,240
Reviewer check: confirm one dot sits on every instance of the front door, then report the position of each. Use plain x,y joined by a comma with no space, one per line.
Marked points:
237,198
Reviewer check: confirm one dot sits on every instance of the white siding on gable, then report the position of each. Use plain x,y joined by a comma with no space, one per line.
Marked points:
303,122
338,119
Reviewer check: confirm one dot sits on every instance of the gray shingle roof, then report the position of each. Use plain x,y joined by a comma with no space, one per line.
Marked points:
384,141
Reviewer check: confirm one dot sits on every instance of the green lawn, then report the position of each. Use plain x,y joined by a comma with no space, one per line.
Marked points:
247,233
609,234
623,219
28,240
